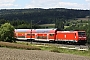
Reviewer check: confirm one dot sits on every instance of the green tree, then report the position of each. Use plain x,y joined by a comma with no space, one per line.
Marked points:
23,26
59,25
87,27
7,33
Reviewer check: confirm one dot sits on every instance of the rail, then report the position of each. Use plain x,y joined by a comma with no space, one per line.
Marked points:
65,46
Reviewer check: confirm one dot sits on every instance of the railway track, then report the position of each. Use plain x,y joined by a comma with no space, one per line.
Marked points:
66,46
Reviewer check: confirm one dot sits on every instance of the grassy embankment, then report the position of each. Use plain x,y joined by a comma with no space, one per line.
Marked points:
46,47
18,46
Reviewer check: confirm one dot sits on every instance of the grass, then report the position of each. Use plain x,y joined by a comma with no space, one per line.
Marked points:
18,46
51,25
47,47
48,25
62,50
52,48
66,27
76,52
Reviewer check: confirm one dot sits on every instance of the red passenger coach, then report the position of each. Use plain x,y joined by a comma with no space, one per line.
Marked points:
35,34
51,35
45,34
24,34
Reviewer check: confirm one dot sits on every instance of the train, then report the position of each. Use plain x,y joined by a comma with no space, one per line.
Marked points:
51,35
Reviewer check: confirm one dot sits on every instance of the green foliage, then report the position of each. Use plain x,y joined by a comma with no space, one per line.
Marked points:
7,32
59,25
23,26
87,28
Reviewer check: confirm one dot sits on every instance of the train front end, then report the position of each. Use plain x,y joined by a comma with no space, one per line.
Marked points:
82,39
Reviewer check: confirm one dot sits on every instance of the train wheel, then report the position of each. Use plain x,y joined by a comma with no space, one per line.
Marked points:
51,41
80,42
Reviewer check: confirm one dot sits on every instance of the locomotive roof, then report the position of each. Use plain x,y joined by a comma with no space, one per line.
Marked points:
69,31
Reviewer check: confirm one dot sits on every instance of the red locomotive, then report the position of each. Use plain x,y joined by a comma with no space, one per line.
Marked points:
51,35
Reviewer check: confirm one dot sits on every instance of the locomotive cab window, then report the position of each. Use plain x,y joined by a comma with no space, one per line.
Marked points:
51,34
81,33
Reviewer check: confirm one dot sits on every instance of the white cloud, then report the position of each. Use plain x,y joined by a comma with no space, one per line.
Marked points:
87,0
42,3
7,3
70,5
87,6
54,4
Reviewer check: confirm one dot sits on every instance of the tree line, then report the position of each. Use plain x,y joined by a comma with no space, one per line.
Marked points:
46,16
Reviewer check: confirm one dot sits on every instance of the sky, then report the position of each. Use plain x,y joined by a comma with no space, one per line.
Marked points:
46,4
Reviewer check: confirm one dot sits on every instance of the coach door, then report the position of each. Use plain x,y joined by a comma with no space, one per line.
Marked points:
51,36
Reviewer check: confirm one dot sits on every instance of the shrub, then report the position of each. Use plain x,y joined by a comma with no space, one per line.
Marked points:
7,32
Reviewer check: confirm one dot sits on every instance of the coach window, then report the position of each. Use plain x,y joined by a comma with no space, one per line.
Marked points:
51,34
30,34
21,36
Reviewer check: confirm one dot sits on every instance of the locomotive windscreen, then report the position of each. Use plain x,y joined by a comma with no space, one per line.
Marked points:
81,33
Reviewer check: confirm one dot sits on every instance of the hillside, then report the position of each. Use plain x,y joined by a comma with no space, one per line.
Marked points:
45,16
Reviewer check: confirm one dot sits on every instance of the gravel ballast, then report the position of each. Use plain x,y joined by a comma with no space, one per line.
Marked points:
18,54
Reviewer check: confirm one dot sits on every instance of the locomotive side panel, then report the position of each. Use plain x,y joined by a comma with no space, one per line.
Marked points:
60,36
66,36
70,36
